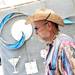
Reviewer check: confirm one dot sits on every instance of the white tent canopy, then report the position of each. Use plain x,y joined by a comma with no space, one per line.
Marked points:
10,3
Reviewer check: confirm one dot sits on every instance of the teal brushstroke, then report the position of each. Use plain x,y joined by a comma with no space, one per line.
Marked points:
5,20
17,44
67,21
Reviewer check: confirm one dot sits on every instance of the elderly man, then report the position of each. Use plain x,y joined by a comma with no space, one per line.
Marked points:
60,57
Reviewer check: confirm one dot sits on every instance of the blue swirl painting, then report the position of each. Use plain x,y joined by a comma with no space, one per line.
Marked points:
17,44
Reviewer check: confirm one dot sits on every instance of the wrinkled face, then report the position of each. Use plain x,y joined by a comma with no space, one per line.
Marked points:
43,29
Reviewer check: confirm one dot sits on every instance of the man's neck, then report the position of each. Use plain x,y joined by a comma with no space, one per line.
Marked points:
52,38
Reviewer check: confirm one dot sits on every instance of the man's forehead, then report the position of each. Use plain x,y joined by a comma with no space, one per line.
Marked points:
38,23
42,22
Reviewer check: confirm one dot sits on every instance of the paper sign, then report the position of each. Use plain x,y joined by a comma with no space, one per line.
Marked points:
31,67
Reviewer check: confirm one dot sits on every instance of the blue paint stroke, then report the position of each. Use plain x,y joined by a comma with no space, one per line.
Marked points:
5,20
17,44
67,21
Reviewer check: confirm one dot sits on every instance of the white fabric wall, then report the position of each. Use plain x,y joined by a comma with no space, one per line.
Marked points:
62,7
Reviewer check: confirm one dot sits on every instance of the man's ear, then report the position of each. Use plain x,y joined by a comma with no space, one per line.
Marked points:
49,26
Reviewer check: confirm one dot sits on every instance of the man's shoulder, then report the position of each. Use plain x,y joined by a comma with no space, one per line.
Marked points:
63,36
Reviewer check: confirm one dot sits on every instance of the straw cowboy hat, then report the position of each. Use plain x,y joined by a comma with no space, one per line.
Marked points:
45,14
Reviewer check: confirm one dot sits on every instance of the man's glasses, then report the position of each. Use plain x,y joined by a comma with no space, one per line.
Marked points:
36,28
